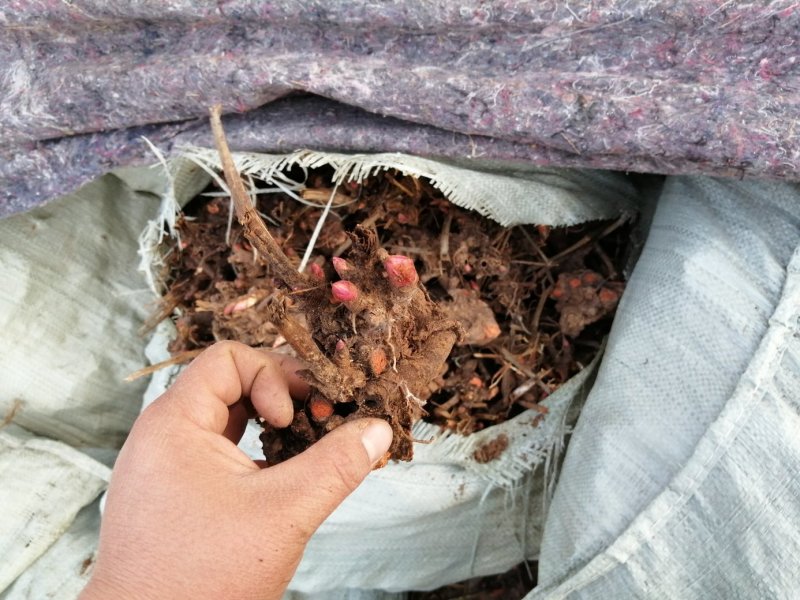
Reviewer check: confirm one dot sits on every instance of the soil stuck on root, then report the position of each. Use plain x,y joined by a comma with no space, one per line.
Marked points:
410,307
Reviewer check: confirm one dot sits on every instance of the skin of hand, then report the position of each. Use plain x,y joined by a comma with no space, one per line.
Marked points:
188,514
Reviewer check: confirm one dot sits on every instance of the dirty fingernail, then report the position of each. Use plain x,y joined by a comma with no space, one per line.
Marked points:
376,437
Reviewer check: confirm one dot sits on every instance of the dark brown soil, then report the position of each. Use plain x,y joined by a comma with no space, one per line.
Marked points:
514,584
398,276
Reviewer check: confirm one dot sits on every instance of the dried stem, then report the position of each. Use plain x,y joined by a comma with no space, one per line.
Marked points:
590,238
177,359
254,228
399,186
322,195
444,241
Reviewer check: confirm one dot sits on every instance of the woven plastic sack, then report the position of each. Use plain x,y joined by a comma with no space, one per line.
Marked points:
443,517
70,306
693,419
680,480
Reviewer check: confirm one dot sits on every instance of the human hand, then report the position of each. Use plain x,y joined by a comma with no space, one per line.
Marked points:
188,514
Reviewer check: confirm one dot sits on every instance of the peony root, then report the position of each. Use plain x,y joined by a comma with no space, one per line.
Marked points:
373,340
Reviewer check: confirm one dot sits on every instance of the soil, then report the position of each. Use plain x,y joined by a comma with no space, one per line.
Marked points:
514,584
491,450
409,308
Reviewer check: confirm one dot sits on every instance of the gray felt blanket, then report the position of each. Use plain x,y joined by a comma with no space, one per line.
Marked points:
694,86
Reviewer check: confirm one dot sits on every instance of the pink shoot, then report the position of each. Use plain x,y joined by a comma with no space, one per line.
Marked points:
342,267
344,291
401,271
316,272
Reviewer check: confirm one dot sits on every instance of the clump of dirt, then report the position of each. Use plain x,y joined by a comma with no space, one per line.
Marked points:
410,307
491,450
583,298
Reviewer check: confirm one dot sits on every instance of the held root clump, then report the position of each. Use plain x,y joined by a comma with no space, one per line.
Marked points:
366,328
409,308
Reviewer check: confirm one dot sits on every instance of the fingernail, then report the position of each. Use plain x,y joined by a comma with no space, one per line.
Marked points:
376,437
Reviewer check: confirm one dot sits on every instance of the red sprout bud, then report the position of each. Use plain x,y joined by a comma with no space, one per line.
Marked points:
341,355
608,297
401,271
378,361
320,408
316,272
344,292
342,267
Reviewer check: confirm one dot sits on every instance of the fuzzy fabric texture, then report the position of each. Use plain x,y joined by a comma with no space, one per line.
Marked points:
693,86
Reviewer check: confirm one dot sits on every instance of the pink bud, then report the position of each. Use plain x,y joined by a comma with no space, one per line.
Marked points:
342,267
240,305
401,271
344,292
341,354
316,272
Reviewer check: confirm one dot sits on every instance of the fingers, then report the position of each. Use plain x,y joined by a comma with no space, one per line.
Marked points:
237,421
265,394
226,372
319,479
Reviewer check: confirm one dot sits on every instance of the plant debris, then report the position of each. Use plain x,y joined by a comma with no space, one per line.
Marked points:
409,308
491,450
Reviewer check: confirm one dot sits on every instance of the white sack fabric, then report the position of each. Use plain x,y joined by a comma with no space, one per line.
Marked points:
43,485
71,303
65,568
681,479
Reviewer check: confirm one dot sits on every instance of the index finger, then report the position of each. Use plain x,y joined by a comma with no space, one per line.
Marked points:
228,371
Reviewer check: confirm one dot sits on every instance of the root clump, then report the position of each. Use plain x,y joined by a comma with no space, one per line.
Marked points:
410,307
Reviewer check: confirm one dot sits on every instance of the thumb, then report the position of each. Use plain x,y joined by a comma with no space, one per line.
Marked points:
319,479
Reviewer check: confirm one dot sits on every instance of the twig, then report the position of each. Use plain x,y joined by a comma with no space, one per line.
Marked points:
399,186
611,272
168,304
253,225
589,238
525,387
444,240
321,196
516,364
537,315
179,359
